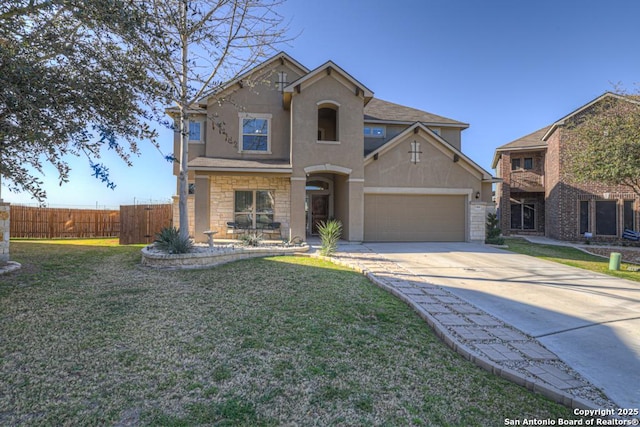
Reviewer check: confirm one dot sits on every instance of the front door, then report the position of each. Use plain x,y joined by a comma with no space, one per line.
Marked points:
319,211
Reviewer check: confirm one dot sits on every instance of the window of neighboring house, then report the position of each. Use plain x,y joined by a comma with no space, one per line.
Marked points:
515,164
255,135
584,216
528,163
606,218
196,131
374,131
629,220
254,208
328,122
523,216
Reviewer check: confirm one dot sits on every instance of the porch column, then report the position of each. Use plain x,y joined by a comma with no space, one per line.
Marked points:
356,210
297,225
202,210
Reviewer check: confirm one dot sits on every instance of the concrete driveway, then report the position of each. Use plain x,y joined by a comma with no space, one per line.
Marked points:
591,321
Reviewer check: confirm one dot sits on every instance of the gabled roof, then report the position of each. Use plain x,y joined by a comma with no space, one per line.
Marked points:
281,56
328,68
385,111
538,139
628,98
533,141
444,145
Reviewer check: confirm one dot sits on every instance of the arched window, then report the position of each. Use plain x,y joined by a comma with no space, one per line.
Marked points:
328,121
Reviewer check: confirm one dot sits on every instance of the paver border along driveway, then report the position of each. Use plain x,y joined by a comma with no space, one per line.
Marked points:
590,321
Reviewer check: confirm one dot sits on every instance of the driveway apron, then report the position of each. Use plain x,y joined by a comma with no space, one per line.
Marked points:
590,321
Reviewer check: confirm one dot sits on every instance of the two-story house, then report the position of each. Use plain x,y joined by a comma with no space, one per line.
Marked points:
286,144
537,194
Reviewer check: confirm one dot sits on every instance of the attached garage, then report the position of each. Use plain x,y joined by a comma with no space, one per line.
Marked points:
415,218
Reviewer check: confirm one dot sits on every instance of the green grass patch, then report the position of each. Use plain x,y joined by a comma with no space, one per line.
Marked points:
89,337
570,256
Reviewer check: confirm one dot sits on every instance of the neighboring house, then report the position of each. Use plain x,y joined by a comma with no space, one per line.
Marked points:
294,146
538,196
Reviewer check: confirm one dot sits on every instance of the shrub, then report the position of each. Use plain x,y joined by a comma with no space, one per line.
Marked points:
330,233
170,241
493,231
251,239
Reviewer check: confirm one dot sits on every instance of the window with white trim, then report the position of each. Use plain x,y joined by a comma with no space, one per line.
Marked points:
196,131
255,133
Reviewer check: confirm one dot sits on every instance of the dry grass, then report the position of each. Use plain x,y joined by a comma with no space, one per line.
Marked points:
90,338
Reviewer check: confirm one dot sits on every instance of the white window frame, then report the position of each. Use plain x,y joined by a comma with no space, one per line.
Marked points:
241,118
202,126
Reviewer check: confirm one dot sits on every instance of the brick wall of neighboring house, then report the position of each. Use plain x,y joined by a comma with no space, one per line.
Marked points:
553,188
521,184
564,195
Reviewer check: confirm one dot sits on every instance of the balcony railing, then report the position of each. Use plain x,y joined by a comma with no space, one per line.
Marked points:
527,181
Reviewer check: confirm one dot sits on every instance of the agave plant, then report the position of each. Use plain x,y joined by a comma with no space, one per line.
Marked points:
330,233
170,241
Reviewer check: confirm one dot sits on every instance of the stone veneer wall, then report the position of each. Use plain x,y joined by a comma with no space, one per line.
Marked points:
223,189
190,213
5,210
478,212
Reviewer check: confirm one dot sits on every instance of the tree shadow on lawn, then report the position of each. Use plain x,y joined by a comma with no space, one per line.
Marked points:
296,339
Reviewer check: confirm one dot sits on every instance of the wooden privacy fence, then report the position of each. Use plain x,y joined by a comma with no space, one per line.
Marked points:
140,223
133,224
55,223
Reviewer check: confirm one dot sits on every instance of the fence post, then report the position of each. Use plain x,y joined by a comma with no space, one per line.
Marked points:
5,227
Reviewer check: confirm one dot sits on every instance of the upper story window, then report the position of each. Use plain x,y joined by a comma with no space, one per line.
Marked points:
196,131
522,163
255,133
328,121
437,131
528,163
374,131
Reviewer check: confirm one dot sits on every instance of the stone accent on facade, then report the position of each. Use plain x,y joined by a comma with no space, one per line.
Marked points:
478,212
5,217
190,213
223,189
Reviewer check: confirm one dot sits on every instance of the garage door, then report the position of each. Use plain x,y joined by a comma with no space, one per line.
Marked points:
409,218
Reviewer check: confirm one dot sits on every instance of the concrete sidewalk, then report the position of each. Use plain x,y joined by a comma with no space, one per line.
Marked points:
561,331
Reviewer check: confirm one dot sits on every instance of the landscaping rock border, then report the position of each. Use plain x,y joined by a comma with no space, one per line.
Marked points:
211,257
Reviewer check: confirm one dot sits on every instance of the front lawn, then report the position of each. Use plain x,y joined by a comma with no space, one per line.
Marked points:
570,256
89,337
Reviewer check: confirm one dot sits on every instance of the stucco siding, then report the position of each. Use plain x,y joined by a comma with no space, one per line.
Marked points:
436,168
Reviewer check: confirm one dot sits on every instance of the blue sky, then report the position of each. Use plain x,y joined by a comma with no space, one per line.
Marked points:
507,68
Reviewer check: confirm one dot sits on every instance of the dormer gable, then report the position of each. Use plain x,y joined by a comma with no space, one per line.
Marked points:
329,68
257,73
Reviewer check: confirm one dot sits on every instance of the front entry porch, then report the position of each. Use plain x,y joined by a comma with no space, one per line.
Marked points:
325,195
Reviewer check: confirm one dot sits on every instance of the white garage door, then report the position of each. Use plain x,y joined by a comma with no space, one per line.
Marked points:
414,218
